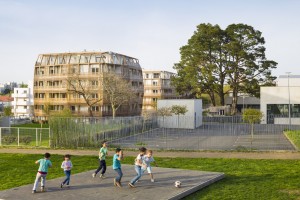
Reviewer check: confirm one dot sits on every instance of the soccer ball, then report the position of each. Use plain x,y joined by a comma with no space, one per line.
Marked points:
177,184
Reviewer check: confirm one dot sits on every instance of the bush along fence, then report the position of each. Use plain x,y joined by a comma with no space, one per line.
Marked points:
89,132
21,136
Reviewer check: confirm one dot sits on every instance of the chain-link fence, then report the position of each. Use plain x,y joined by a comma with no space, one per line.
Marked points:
21,136
90,132
215,133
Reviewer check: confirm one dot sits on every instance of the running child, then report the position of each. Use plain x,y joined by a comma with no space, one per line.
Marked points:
102,162
67,166
117,166
45,163
138,165
148,159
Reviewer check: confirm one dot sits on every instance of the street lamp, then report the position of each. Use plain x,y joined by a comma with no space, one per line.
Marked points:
288,76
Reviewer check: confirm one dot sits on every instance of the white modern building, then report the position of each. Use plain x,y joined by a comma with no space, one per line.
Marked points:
22,105
275,101
190,120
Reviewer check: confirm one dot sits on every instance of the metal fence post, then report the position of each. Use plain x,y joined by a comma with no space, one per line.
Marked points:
18,136
49,138
36,137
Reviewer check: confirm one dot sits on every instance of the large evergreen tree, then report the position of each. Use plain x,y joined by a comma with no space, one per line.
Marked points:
214,57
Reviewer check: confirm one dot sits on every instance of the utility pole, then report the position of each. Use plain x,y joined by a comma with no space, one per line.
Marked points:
288,76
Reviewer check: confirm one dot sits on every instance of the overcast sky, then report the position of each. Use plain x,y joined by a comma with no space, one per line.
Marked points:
152,31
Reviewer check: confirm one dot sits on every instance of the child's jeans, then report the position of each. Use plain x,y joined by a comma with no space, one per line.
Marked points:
139,172
102,165
39,177
120,174
68,175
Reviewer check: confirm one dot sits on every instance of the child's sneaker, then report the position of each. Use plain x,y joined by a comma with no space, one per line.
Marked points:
42,189
118,184
93,175
131,185
102,176
152,180
61,185
33,191
115,182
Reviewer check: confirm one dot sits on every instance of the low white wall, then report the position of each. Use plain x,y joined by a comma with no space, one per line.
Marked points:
191,120
294,121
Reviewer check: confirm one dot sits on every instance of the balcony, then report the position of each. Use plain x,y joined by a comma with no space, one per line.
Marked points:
22,103
20,95
21,110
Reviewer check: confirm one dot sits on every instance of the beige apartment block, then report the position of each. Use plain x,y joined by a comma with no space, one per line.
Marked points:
52,72
157,85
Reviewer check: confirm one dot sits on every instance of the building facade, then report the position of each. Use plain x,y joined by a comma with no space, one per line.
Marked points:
53,71
157,85
22,105
276,101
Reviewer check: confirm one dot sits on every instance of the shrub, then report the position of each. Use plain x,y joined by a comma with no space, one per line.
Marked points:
25,139
8,139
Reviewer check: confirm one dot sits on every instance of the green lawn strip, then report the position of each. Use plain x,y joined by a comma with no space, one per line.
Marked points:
294,137
245,179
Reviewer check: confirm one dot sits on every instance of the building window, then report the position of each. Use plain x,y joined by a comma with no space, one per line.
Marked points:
94,83
95,96
155,91
154,99
155,83
147,75
95,108
156,75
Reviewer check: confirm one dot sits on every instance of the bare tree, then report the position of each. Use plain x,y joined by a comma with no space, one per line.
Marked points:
86,89
117,91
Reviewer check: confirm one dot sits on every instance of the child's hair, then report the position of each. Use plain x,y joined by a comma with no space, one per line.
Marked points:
47,155
104,141
118,150
143,149
149,151
67,156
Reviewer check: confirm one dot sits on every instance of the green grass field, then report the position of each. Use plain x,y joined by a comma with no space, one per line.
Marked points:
245,179
294,136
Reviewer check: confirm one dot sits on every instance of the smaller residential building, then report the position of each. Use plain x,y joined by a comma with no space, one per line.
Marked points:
22,105
157,85
4,102
244,101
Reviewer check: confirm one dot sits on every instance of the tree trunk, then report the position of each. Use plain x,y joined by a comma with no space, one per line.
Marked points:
113,111
90,111
234,101
212,98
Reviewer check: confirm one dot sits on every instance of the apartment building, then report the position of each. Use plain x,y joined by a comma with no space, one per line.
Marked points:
52,72
157,85
22,105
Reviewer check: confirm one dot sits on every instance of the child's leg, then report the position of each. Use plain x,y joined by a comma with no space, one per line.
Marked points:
103,166
149,169
43,177
99,168
151,175
120,174
36,182
139,171
68,176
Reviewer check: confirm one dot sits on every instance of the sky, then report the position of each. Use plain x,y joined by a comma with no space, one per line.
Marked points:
152,31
